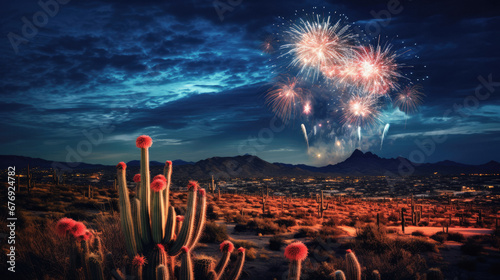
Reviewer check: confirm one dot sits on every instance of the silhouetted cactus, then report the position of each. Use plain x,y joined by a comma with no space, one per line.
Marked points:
321,207
434,274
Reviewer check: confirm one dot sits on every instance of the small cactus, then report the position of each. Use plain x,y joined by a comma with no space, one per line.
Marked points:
339,275
353,269
296,253
434,274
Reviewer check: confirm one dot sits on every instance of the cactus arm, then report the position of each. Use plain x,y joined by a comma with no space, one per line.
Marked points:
145,197
200,218
339,275
186,270
95,268
353,269
167,172
238,268
294,270
136,216
157,216
157,257
170,226
222,264
125,214
161,273
187,226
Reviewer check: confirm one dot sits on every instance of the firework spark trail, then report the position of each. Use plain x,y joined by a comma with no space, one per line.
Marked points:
409,99
359,135
305,134
315,44
314,128
386,129
282,99
360,111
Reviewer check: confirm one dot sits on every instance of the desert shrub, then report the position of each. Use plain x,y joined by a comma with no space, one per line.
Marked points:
472,247
395,264
275,243
214,233
331,222
416,245
243,243
305,232
439,236
455,236
418,233
286,222
81,215
264,226
251,254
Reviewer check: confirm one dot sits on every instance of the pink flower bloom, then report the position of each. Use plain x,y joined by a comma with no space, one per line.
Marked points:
168,163
161,177
121,165
192,186
158,185
137,178
78,229
138,261
227,245
241,249
180,218
296,251
143,142
348,251
202,192
185,249
64,225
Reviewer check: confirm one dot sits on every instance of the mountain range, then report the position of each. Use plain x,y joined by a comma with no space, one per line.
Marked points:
249,166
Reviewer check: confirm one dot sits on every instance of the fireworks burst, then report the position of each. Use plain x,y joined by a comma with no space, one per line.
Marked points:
282,99
307,108
360,111
409,99
268,44
374,70
315,44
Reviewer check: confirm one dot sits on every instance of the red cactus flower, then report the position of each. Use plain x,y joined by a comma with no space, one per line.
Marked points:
121,165
161,177
168,163
158,185
143,142
180,218
86,236
78,229
137,178
64,225
241,249
296,251
202,192
193,186
139,260
161,247
185,249
227,245
348,251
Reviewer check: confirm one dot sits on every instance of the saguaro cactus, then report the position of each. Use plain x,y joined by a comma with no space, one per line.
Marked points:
321,206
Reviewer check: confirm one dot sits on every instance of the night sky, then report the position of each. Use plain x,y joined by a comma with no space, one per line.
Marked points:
194,77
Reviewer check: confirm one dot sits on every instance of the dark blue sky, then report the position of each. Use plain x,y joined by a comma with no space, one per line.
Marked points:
194,78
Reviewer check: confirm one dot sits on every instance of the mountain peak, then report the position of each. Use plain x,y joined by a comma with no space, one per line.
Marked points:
357,153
